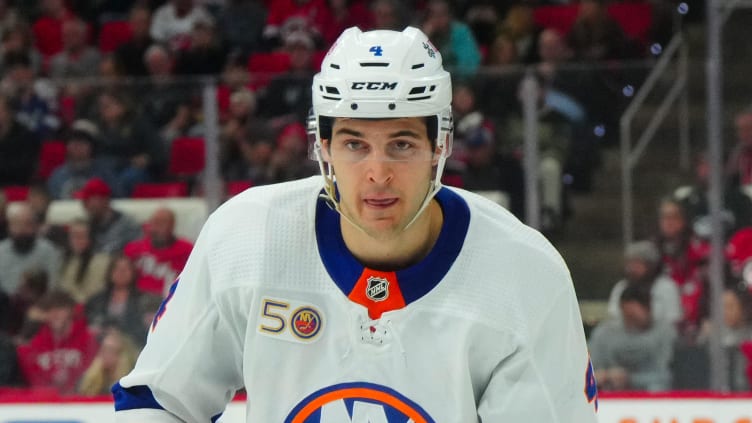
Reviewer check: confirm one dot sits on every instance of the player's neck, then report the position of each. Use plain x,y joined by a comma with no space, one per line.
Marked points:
401,251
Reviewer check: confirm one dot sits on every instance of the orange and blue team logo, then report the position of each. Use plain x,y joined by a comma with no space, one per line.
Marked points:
591,386
357,402
306,322
163,307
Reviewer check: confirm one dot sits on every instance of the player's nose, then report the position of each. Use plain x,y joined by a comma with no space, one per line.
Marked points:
379,170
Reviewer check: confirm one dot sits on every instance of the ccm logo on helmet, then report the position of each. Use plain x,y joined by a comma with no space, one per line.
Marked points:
374,86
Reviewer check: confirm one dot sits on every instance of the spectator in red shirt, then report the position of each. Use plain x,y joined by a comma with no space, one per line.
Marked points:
160,255
293,15
62,349
48,29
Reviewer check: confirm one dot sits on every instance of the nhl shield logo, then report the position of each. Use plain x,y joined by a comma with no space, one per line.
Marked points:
377,289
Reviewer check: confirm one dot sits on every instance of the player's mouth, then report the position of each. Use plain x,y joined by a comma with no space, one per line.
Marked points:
380,203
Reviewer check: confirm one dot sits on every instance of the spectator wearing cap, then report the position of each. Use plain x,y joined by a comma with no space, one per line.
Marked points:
81,163
642,266
173,22
288,95
110,228
24,249
19,148
634,351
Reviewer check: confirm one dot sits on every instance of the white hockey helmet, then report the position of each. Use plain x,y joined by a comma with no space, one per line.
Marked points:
382,74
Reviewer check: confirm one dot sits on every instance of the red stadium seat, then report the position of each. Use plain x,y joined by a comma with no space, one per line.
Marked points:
264,66
48,36
160,190
634,18
558,17
51,155
16,192
236,187
187,157
113,34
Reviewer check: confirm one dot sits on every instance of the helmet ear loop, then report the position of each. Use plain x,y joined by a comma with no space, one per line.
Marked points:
327,172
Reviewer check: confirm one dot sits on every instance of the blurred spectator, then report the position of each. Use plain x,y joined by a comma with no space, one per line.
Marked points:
205,55
77,59
483,19
739,164
251,162
83,272
48,28
596,36
518,24
581,98
736,330
18,39
388,14
128,143
290,157
39,200
22,320
737,207
160,255
34,99
9,372
81,163
288,96
172,22
286,16
239,121
149,305
58,354
110,229
19,149
642,267
116,357
738,254
24,249
130,55
502,51
683,255
343,14
453,38
633,352
554,135
162,96
240,24
8,15
3,220
488,169
118,303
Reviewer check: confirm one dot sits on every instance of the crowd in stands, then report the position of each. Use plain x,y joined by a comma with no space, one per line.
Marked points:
659,327
103,100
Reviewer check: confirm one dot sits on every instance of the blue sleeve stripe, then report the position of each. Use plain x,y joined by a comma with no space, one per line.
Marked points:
133,398
215,418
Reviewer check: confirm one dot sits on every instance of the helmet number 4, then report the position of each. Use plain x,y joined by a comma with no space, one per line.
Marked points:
376,50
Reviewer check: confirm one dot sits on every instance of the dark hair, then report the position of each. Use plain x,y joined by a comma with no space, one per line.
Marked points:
638,293
57,298
86,255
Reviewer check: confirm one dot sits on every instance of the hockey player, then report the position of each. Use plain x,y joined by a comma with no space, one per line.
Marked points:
375,294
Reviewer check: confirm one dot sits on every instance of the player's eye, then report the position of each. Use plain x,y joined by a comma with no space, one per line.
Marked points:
354,145
403,145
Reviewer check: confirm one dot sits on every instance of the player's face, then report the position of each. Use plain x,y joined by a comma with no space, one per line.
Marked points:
383,169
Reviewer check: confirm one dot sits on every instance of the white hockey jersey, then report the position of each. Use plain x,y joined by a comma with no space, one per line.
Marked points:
485,329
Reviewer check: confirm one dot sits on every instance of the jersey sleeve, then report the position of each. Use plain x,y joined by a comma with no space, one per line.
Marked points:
549,378
191,365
